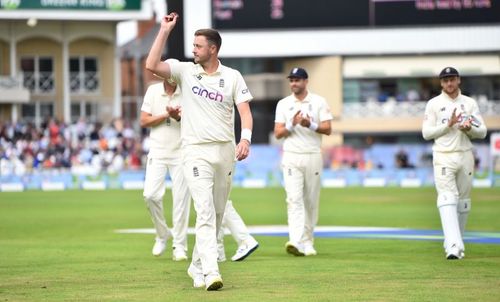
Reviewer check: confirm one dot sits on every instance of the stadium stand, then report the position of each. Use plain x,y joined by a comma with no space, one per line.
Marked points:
94,156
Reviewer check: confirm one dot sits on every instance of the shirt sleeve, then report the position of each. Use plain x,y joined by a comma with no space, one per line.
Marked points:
176,70
280,114
478,131
324,112
148,99
429,128
241,93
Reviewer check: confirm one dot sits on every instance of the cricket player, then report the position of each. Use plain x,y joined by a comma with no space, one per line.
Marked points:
164,156
452,120
210,90
301,119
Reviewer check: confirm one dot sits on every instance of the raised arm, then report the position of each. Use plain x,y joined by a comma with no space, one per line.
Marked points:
153,61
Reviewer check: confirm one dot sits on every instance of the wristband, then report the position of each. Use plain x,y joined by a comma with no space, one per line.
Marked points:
289,126
313,126
246,134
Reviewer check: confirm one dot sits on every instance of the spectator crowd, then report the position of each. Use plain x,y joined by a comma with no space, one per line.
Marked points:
109,148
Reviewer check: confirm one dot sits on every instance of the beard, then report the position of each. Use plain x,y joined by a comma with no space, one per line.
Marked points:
451,90
297,90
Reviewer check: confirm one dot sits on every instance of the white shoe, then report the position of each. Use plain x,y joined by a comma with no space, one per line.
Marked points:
161,244
294,249
196,275
245,250
159,247
309,250
221,254
213,282
179,254
453,253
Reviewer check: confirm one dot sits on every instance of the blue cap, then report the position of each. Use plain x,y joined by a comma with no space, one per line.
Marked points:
298,72
448,72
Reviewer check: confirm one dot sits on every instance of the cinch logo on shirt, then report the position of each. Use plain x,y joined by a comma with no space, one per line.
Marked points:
213,96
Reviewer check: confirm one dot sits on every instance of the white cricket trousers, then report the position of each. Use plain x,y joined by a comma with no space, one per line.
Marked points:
234,223
453,175
302,178
154,190
208,170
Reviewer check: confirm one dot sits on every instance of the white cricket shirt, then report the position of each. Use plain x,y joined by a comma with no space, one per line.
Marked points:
302,139
165,137
435,126
208,101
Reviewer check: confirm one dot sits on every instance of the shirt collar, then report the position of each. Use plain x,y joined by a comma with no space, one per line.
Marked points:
176,92
446,96
198,69
305,100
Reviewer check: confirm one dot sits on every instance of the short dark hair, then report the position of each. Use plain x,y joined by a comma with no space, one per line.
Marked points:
212,36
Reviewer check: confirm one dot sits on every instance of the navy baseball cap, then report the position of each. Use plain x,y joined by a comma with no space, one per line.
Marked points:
448,72
298,72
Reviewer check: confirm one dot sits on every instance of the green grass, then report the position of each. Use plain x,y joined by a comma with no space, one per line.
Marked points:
61,246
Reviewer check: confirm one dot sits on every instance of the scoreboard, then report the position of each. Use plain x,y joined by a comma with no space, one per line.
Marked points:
293,14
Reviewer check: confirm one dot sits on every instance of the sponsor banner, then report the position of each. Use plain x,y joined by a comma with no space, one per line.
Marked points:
12,187
254,183
94,185
133,185
102,5
334,183
374,182
482,183
410,183
53,186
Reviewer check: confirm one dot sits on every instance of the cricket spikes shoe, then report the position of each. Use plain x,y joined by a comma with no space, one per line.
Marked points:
453,253
161,244
179,254
309,250
245,250
197,276
294,249
159,247
213,282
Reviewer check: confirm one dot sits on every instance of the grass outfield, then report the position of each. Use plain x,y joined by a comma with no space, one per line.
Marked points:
61,246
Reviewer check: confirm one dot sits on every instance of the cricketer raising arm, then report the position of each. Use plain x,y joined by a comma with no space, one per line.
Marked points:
161,111
452,120
209,92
